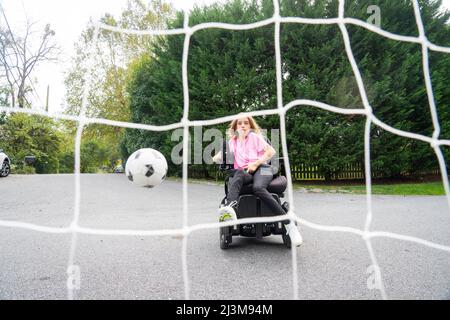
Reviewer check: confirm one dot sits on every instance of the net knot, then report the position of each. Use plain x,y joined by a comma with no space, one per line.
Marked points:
435,143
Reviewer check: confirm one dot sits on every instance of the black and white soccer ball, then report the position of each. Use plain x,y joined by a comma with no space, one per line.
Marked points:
146,168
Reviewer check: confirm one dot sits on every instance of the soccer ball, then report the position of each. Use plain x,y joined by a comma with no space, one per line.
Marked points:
146,168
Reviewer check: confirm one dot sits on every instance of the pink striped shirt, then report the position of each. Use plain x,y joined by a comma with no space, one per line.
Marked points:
247,151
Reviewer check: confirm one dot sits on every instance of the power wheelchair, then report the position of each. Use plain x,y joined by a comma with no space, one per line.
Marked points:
251,206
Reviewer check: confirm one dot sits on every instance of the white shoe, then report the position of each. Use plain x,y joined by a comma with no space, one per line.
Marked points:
294,234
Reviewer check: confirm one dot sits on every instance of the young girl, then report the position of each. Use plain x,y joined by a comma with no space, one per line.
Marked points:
251,153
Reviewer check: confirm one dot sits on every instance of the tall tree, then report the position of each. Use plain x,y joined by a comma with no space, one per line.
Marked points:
20,54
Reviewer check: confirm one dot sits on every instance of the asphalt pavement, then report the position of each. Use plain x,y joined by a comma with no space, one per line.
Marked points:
330,265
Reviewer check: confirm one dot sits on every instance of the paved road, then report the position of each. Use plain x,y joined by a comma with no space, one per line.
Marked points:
330,265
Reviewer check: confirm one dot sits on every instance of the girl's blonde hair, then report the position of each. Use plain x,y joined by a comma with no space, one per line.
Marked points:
232,127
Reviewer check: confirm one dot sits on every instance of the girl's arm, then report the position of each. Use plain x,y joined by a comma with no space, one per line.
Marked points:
268,154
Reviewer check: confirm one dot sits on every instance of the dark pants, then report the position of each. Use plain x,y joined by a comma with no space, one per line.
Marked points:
261,179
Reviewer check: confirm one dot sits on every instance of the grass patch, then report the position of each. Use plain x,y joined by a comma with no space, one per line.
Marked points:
406,189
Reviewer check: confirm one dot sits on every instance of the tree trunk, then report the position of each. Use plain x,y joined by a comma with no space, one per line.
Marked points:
13,97
21,95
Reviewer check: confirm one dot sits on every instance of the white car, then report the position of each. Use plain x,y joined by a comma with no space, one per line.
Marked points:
5,164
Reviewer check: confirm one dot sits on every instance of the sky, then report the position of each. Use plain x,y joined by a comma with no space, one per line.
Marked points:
68,18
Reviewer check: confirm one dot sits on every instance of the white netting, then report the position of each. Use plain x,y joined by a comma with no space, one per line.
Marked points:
74,229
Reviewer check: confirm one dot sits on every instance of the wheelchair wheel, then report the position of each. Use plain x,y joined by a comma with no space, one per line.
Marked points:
286,240
225,238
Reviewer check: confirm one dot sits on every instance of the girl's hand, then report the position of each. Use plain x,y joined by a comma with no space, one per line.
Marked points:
218,158
252,167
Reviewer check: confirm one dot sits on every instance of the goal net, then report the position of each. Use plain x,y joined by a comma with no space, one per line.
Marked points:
75,229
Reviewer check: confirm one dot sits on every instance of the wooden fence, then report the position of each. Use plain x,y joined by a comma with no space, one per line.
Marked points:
302,172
